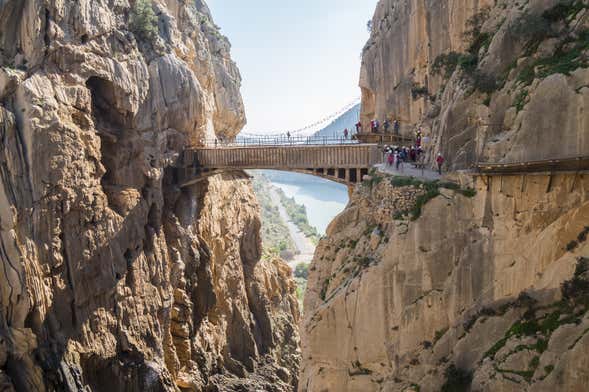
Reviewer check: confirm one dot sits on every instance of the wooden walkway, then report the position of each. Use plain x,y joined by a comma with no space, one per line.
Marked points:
574,165
344,163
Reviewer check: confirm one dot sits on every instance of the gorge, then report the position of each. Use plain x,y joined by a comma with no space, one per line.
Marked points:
116,278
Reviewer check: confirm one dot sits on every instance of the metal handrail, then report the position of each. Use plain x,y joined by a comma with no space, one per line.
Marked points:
278,141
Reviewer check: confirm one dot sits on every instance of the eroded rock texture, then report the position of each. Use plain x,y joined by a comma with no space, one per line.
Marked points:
468,294
487,80
112,277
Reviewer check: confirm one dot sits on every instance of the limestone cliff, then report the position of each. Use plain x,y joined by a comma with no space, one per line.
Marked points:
113,278
487,80
481,284
485,292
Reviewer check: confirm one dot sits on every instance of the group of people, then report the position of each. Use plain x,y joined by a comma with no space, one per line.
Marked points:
375,126
396,155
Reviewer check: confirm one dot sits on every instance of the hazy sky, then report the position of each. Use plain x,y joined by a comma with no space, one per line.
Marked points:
299,60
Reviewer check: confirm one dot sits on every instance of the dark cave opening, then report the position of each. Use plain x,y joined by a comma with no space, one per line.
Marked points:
104,110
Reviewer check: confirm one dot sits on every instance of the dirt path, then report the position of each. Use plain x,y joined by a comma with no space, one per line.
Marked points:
304,245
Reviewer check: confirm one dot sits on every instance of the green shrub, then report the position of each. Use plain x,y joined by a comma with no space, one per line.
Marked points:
564,10
473,35
446,63
533,28
468,62
143,20
419,91
485,83
439,334
457,380
578,286
521,100
301,271
568,57
431,189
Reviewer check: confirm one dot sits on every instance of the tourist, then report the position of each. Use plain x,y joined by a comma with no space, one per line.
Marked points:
397,160
413,154
440,162
288,136
346,133
396,126
386,125
376,126
404,154
372,126
390,158
359,127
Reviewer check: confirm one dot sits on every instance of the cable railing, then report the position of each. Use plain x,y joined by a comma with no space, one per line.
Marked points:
279,141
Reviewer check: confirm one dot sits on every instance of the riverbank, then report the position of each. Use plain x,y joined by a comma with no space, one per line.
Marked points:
305,247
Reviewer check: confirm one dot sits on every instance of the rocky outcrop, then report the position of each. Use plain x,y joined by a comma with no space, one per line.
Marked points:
487,81
113,278
417,286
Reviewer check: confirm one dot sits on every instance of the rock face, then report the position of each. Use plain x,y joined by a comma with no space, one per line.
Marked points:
487,81
112,277
468,294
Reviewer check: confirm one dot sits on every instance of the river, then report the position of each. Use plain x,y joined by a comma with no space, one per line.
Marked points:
323,199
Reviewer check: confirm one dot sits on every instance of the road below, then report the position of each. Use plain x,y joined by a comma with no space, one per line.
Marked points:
305,247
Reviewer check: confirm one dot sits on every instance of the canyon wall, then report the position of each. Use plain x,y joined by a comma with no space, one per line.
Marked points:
114,278
480,283
470,292
487,81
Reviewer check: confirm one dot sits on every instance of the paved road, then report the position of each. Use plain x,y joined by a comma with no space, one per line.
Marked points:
304,245
408,170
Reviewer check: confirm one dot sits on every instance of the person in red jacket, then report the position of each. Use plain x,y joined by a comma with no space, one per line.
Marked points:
440,162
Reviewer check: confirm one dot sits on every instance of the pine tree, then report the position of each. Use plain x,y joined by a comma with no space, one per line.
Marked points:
143,20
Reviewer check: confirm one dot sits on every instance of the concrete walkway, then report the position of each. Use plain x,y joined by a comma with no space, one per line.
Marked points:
407,170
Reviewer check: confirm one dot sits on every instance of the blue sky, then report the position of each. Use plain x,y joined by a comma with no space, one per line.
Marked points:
299,60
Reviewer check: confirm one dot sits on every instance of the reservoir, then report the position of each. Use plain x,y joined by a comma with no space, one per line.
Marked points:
323,199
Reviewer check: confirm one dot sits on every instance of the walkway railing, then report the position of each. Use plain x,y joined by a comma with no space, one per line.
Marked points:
285,157
572,164
279,141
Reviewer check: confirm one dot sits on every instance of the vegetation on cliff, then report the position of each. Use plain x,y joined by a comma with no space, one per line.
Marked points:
276,239
298,215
